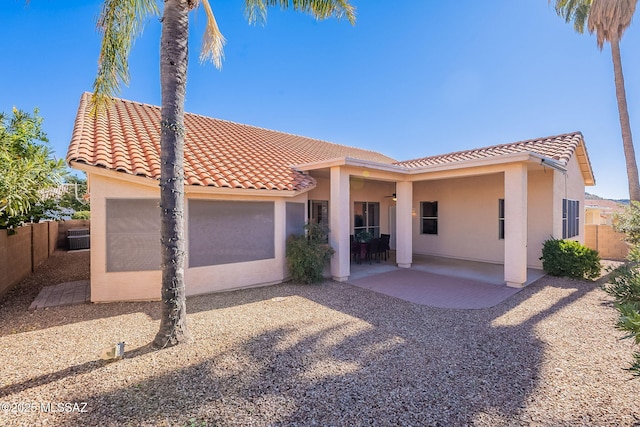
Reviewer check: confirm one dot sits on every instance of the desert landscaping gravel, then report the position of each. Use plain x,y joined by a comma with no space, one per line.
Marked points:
328,355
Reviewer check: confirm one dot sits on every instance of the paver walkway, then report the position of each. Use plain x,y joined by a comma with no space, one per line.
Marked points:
69,293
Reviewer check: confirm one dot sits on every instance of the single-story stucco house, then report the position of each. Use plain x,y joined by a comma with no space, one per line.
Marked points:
248,188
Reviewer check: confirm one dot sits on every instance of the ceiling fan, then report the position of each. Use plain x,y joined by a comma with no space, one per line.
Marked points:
393,197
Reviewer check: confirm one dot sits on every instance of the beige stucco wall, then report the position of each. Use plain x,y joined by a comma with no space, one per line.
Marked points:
223,277
145,285
539,213
116,286
468,216
571,186
360,190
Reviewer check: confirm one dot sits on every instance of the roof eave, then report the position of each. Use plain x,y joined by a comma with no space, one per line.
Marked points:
472,163
349,161
189,189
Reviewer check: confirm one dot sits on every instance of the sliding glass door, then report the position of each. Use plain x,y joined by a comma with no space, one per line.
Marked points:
366,219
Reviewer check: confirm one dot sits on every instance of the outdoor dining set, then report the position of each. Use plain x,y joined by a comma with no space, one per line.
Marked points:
371,249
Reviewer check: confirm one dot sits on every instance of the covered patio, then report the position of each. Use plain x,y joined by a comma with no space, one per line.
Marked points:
439,281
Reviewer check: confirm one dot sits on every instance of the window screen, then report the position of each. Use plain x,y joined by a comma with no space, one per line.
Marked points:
133,235
225,232
570,218
295,218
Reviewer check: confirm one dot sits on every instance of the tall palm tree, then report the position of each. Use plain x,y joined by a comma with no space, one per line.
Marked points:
609,19
121,21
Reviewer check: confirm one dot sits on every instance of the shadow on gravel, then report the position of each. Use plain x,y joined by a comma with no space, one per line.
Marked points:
408,365
68,372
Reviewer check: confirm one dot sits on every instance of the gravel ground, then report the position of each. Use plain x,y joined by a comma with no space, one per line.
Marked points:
331,354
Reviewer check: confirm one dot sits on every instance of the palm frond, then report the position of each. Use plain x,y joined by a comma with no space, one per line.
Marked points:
120,21
256,10
212,41
576,11
610,18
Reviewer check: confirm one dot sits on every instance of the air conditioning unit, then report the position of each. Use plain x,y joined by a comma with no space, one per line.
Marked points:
78,238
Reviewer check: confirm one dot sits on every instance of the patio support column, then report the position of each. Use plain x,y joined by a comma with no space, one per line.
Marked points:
339,221
515,241
404,224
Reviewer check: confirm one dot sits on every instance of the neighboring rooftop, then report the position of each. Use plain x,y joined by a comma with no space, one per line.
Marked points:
218,153
604,205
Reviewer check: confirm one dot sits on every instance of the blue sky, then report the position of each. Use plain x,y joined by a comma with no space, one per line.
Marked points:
412,79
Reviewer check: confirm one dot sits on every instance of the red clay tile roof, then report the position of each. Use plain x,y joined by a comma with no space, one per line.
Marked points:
559,148
218,153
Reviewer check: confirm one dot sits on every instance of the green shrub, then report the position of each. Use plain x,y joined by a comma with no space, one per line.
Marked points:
624,287
307,254
570,258
81,215
629,321
624,282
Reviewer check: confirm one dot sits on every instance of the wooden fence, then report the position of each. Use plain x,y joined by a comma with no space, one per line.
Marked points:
21,253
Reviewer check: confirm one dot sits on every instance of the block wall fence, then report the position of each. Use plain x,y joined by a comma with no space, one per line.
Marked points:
22,252
609,243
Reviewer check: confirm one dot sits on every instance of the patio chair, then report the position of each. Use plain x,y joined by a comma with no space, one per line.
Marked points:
373,251
355,249
384,243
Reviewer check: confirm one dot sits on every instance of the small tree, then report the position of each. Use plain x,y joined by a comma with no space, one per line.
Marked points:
27,167
628,222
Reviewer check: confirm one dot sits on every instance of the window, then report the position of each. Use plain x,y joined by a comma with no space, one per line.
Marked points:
501,219
226,232
570,218
319,212
133,235
295,218
366,218
429,217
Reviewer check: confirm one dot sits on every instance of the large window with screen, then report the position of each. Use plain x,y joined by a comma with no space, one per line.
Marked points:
225,232
133,235
295,218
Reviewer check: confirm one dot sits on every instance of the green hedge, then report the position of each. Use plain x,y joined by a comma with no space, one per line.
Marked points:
570,258
81,215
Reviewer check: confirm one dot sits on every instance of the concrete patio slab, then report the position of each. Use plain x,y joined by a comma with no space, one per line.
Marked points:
436,290
475,270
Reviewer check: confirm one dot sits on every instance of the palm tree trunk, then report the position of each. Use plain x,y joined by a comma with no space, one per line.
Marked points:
173,77
627,140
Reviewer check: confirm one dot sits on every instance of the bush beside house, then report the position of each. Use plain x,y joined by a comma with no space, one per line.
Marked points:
570,258
307,254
